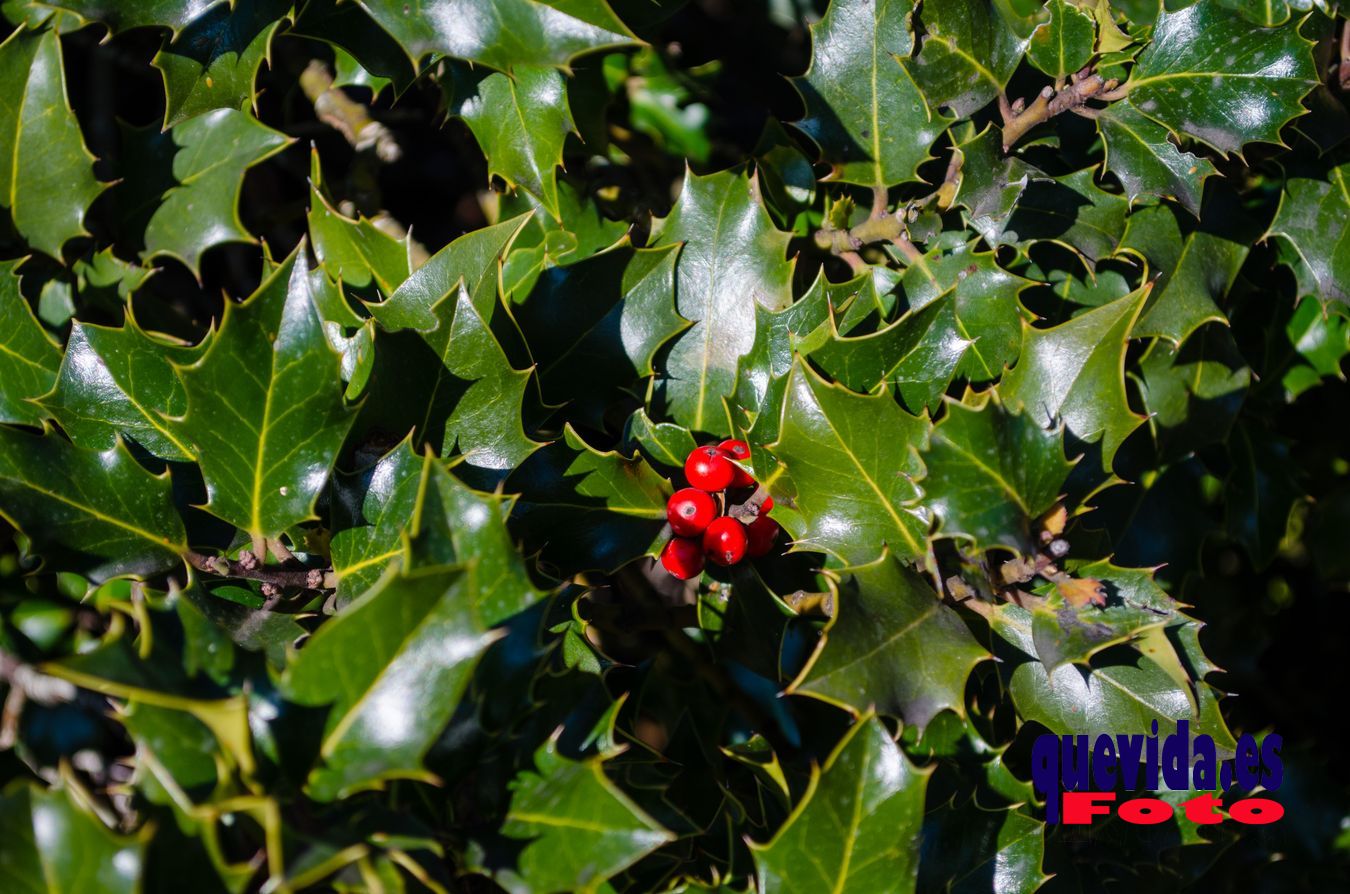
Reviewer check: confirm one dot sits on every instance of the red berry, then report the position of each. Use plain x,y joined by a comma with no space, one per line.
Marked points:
761,535
739,451
725,541
708,468
689,511
682,557
766,505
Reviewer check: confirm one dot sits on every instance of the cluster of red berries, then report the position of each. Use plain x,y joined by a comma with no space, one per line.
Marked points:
696,513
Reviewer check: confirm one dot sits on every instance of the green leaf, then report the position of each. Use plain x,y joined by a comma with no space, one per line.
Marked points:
990,182
254,629
46,174
121,382
473,258
732,260
1313,210
1193,392
54,843
545,242
520,121
663,443
1193,273
364,53
857,827
863,109
97,514
1209,74
453,385
371,511
517,32
979,851
176,754
1135,604
851,462
893,646
586,509
1063,43
212,62
357,253
265,415
576,828
991,473
1147,163
595,326
120,15
29,359
392,665
967,56
455,525
1074,372
181,187
1072,210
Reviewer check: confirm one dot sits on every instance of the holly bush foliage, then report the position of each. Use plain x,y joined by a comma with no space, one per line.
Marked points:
349,352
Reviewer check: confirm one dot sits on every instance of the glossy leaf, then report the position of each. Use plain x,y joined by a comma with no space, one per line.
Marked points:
967,56
1072,210
53,843
371,511
991,473
182,186
851,461
98,514
880,135
1309,219
121,382
732,261
1147,163
893,646
1208,74
392,667
1064,43
120,15
265,413
212,62
28,358
1074,372
857,827
512,33
46,174
357,253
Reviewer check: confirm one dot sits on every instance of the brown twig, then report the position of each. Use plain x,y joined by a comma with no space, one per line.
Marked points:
249,568
1084,85
348,117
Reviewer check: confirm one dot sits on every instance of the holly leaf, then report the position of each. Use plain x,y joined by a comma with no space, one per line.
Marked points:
265,412
574,827
967,56
1193,392
851,464
1064,42
1074,372
863,108
990,182
732,260
455,525
1313,208
1071,210
1193,272
455,385
856,828
584,509
971,850
473,258
29,359
46,174
121,382
181,187
663,443
1208,74
595,326
992,472
392,666
1147,163
520,121
54,842
121,15
97,514
211,64
518,32
371,511
893,646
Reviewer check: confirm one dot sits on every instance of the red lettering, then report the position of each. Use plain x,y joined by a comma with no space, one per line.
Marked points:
1203,810
1145,811
1256,811
1081,807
